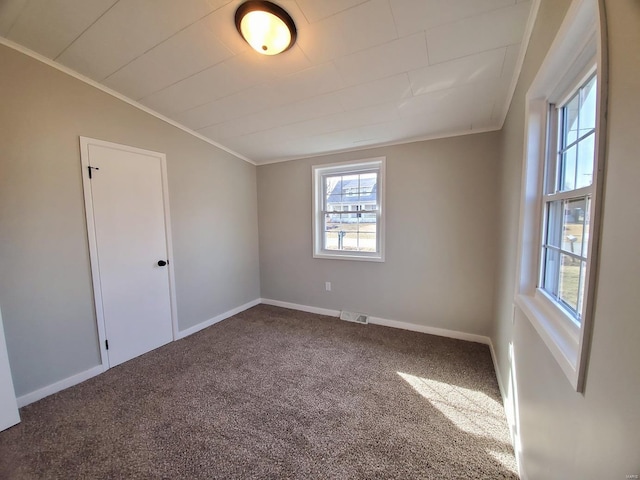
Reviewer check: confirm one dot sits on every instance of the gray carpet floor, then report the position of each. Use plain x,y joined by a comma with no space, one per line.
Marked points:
275,393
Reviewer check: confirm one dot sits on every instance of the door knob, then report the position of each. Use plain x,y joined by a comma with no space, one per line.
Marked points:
161,263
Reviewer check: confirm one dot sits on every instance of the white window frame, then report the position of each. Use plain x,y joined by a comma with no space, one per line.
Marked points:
575,55
360,166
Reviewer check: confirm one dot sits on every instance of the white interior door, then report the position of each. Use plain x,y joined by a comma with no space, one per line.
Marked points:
130,240
9,415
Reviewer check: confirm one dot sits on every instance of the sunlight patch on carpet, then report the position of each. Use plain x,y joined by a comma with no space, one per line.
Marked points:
471,411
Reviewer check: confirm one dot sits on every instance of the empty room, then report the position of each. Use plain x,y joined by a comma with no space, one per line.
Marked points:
337,239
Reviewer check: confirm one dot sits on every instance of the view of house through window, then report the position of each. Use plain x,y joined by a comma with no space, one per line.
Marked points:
350,206
567,200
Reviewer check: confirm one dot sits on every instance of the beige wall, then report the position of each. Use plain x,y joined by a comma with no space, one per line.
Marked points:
45,285
564,434
440,237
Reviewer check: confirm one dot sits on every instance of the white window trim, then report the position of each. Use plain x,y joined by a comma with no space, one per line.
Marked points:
581,38
317,171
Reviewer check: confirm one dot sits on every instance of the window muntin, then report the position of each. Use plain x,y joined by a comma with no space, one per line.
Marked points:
348,210
567,200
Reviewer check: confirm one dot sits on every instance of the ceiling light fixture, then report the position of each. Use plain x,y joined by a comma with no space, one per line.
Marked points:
266,27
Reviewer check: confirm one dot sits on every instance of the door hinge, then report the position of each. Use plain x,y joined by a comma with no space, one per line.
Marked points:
90,168
106,344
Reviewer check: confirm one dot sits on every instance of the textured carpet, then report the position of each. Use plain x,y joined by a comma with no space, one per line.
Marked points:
275,393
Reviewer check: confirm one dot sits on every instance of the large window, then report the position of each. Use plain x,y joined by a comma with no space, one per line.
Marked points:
562,190
349,210
567,199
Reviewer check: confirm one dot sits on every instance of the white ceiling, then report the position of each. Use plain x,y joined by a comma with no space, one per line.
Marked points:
362,73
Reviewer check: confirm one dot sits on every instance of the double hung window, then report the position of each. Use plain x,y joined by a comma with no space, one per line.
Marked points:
567,199
349,210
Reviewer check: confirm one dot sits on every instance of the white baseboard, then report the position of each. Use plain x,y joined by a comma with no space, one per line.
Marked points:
58,386
510,414
441,332
494,358
218,318
302,308
97,370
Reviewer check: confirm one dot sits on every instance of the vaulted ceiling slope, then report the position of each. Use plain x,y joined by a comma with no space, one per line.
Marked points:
362,73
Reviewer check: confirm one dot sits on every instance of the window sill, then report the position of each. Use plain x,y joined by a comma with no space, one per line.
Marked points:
557,330
348,256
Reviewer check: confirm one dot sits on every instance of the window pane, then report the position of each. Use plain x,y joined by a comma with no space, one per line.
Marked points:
332,197
570,112
334,239
350,240
367,240
331,240
569,281
350,187
354,240
332,220
332,225
586,154
349,192
573,225
368,189
588,107
568,170
368,218
554,223
347,231
550,273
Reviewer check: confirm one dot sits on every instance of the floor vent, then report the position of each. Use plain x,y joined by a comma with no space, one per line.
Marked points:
354,317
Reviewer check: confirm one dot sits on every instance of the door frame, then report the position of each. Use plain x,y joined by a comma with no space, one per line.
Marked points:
85,142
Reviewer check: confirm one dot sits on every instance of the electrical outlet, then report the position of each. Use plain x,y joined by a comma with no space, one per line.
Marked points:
327,286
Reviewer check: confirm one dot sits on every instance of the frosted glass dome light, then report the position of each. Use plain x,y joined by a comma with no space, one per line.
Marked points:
266,27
